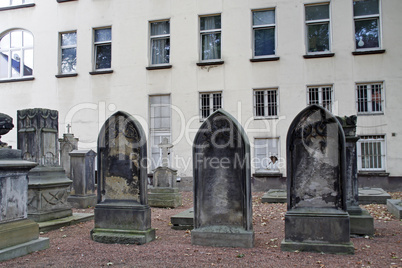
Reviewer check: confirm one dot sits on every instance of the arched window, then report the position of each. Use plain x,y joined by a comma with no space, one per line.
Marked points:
16,54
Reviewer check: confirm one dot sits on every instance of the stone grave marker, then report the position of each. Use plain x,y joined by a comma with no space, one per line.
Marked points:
368,195
395,207
222,187
67,144
122,214
316,219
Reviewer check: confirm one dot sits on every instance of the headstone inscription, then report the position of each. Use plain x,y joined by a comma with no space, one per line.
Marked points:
316,219
222,187
122,214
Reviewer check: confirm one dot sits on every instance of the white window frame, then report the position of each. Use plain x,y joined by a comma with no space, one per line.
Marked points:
23,2
211,31
66,47
211,108
317,22
267,154
367,17
96,44
156,37
322,90
372,160
369,102
266,104
264,26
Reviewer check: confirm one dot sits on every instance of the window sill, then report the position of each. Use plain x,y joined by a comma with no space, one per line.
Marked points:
17,80
264,59
101,72
17,7
380,173
314,56
266,118
158,67
62,1
370,114
207,63
368,52
66,75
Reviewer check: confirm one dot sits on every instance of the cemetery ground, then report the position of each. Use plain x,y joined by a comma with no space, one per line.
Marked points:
71,246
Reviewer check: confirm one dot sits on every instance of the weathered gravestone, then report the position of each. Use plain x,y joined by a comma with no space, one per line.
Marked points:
316,219
122,214
48,186
67,144
222,187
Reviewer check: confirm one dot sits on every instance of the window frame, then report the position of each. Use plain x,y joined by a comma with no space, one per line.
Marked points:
321,93
367,17
265,26
157,37
308,23
369,101
26,3
211,107
266,103
211,31
371,140
96,44
61,47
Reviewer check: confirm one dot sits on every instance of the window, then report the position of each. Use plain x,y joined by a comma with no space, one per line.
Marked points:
320,96
209,103
264,33
16,54
68,52
266,103
370,98
8,3
264,148
103,48
371,153
210,30
317,28
367,23
160,42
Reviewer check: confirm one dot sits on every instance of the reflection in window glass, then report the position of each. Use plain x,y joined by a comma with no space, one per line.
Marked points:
68,52
160,42
210,30
103,48
367,24
264,32
317,22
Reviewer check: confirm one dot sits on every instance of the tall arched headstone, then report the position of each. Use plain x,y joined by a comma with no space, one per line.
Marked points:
122,214
222,190
316,219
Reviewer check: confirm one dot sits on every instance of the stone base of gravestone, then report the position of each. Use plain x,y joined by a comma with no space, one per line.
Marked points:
183,220
362,223
164,197
312,229
122,222
395,207
263,180
86,201
222,236
48,189
274,196
369,195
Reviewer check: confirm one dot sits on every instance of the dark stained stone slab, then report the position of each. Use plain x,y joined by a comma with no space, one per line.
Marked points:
373,196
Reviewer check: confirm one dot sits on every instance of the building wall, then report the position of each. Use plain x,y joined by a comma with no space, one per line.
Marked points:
86,101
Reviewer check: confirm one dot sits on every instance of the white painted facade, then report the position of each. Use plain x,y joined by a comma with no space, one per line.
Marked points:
85,101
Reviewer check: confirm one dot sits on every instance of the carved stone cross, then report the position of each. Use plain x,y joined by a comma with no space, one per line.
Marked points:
68,128
165,146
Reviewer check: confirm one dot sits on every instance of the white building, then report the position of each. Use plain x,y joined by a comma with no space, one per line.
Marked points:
171,63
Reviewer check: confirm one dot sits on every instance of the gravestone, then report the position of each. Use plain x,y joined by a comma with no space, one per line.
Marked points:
274,196
395,207
368,195
67,144
122,214
222,186
83,176
48,186
361,222
316,219
18,235
165,193
183,220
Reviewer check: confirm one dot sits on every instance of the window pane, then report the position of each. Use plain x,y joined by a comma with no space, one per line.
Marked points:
259,103
205,105
366,33
362,98
365,7
16,39
28,62
4,57
264,43
263,17
211,46
210,23
160,51
376,98
271,94
102,35
317,12
28,39
103,56
217,101
318,38
5,42
15,64
313,96
68,60
158,28
68,39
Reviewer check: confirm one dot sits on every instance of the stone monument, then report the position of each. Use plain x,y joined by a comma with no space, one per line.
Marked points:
222,186
164,192
67,144
18,235
122,214
82,193
361,222
48,186
316,219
